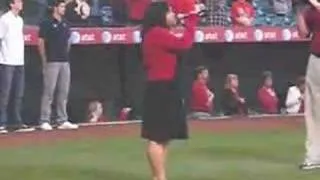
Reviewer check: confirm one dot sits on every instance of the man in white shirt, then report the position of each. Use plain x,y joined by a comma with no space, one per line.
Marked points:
12,65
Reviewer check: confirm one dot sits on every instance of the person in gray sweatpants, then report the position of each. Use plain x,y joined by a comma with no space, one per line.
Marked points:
308,20
54,48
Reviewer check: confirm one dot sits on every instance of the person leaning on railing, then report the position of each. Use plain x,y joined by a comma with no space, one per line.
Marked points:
77,12
242,13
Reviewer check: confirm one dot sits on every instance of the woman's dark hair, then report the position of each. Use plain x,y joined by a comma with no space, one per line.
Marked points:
199,70
300,81
266,75
53,4
56,3
155,15
8,3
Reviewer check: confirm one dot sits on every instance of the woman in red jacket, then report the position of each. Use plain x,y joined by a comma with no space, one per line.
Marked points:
163,118
202,97
267,96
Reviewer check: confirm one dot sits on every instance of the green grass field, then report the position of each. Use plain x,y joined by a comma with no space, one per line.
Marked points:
236,156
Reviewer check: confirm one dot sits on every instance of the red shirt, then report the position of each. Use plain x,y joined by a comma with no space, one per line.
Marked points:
137,8
240,9
200,97
268,100
312,17
182,6
160,48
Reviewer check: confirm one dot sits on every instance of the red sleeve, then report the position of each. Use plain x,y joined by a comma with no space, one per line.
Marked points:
171,42
309,19
234,11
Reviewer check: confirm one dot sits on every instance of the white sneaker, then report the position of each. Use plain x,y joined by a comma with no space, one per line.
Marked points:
3,130
24,128
68,125
46,127
307,166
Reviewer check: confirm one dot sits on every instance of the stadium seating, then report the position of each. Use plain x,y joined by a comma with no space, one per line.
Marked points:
265,16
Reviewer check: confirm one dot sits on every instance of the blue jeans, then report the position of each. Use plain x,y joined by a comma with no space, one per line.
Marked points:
11,81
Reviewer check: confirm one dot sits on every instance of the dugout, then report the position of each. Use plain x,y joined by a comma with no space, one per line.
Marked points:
99,70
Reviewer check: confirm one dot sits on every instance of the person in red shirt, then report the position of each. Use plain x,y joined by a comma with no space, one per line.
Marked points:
267,96
308,23
202,97
164,117
242,13
136,10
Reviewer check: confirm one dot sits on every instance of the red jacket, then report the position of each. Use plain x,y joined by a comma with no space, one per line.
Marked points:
268,100
160,48
137,8
200,97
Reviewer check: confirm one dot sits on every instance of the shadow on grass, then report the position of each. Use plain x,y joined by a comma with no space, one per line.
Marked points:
66,173
289,156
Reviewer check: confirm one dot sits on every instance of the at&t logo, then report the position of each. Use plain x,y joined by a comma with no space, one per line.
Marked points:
106,37
258,34
229,35
75,37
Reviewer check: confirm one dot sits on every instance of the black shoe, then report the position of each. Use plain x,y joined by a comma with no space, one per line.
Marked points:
308,166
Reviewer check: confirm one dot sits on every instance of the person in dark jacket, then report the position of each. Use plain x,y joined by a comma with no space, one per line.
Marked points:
233,102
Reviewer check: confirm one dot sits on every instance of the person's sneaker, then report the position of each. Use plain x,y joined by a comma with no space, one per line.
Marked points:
45,126
68,125
309,166
24,128
3,130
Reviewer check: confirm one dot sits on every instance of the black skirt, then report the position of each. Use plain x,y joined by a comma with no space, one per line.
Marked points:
164,116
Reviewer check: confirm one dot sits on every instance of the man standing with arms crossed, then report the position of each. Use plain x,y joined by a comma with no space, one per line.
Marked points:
12,65
308,20
54,48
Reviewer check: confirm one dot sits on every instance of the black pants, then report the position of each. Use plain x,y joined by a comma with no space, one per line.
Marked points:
11,81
